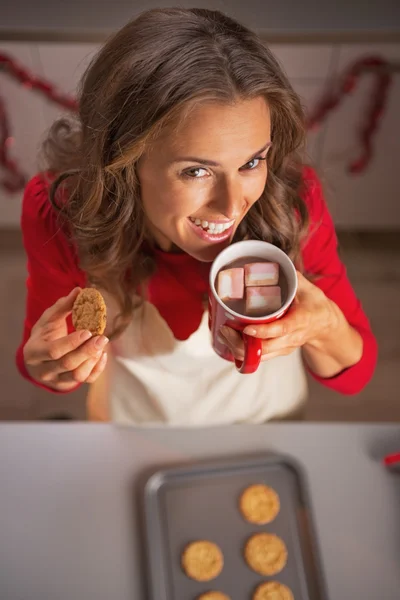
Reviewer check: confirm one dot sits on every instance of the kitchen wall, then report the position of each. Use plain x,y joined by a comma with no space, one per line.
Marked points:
266,15
369,201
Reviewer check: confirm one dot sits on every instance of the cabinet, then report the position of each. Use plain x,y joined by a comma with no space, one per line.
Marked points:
367,201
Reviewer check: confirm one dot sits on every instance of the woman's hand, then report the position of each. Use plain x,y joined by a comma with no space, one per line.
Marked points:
314,323
60,360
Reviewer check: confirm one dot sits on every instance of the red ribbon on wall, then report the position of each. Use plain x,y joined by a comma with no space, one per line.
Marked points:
15,179
379,95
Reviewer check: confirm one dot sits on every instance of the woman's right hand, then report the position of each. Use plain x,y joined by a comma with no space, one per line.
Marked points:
60,360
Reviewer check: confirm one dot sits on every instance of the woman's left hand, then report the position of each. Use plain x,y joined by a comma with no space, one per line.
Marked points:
311,319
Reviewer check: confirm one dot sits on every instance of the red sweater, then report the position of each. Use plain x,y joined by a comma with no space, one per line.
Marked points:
177,289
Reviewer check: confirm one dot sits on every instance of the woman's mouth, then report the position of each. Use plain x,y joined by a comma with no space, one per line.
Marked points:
212,231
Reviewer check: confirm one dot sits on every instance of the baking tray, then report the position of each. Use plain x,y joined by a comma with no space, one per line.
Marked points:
200,501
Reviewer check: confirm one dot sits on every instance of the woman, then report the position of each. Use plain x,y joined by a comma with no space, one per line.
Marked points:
186,123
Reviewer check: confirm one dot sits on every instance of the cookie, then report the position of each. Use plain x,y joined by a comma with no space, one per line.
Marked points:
202,560
213,596
265,553
273,590
259,504
89,311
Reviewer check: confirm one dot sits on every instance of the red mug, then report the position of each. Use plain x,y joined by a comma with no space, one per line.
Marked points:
221,315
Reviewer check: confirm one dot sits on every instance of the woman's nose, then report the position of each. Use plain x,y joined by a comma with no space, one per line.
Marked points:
229,199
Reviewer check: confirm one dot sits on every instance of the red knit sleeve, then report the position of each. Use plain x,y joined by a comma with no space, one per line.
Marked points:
321,258
51,260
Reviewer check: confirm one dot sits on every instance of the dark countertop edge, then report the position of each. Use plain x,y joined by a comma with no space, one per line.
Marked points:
273,37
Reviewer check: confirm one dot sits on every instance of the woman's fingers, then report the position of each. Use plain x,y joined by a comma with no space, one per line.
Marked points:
294,319
233,340
59,310
71,362
86,372
97,369
80,374
270,348
280,345
285,352
38,350
58,360
92,350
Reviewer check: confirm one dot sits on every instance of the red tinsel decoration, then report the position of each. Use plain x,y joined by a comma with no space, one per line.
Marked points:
15,179
331,100
38,84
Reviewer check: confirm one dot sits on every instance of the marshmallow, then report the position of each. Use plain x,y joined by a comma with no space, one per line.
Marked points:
262,301
265,273
230,284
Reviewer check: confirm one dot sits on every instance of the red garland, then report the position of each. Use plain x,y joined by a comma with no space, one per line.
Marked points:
36,83
16,179
379,96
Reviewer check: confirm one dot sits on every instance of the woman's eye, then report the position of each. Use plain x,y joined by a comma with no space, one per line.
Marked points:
195,173
254,163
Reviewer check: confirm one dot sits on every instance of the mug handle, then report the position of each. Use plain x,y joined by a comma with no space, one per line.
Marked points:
252,355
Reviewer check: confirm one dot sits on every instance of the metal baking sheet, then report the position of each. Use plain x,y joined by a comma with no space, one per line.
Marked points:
200,501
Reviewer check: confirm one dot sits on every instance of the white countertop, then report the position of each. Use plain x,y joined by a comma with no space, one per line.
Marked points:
70,529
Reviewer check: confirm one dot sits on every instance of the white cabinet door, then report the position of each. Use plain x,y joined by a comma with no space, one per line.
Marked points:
308,67
25,112
369,200
64,65
309,92
366,201
304,61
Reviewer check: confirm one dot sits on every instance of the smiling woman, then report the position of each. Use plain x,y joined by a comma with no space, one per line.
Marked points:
196,203
189,138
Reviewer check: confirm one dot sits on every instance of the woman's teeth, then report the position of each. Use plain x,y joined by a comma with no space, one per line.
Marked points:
211,227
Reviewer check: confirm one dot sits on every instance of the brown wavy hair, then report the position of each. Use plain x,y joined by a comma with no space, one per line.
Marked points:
144,77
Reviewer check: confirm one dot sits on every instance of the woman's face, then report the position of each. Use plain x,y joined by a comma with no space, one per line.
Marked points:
200,179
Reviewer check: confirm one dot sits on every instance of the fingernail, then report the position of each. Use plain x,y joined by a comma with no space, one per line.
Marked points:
85,335
250,331
100,342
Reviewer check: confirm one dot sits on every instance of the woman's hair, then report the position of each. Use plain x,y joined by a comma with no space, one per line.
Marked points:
142,79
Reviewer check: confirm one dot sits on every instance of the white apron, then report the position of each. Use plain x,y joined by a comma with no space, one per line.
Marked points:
153,379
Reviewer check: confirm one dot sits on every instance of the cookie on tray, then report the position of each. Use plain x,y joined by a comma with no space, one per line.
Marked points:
259,504
272,590
89,311
202,560
265,553
213,596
